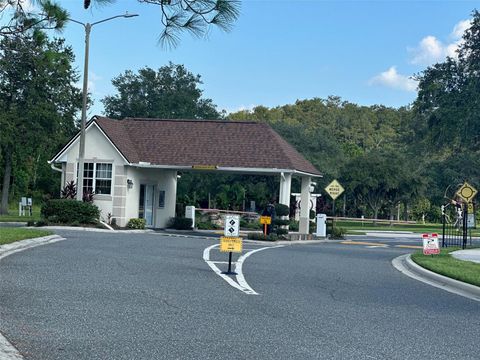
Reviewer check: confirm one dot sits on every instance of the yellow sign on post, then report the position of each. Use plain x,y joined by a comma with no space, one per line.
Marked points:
334,189
470,207
230,244
265,220
467,192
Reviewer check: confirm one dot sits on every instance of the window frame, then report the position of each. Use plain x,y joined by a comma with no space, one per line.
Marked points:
95,178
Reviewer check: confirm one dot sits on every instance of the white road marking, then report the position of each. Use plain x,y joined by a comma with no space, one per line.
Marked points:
241,284
238,269
377,246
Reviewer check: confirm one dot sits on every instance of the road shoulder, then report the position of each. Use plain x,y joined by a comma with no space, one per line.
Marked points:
7,350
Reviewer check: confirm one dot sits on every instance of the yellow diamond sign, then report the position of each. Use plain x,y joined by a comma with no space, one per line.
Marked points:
334,189
467,192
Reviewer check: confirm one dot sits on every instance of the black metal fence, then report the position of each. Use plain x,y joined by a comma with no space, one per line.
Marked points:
454,226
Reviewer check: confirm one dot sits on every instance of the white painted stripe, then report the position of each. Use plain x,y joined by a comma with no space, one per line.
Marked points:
241,283
206,257
239,269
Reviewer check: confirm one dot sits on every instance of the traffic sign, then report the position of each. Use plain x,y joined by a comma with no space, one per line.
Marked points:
334,189
467,192
266,220
232,225
430,244
230,244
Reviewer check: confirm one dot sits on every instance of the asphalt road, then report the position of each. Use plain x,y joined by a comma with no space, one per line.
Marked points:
148,296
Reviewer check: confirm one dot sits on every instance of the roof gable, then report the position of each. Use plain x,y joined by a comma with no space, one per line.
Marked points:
229,144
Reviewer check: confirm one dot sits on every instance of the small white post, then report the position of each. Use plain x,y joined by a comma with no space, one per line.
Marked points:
190,214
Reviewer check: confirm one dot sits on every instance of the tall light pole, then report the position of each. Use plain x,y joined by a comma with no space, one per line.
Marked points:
81,152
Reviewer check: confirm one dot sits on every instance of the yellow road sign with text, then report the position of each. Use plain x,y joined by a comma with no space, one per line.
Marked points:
265,220
467,192
230,244
334,189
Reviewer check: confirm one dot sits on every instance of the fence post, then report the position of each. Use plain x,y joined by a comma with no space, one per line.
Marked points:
443,226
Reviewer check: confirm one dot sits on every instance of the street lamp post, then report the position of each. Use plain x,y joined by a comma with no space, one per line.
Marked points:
81,152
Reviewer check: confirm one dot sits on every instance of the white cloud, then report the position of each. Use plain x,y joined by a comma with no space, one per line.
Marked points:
431,50
248,108
460,28
391,78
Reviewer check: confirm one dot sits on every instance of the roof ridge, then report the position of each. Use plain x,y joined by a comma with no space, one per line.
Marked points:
228,121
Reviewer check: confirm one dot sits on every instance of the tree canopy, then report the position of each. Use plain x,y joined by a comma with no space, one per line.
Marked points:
171,92
38,105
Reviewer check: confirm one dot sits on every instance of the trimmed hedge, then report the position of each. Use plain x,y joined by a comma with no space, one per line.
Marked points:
261,236
180,223
136,223
68,211
282,210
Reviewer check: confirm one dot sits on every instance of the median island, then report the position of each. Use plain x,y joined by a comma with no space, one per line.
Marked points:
445,264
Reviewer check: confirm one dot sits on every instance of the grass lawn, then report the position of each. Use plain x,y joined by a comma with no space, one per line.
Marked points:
9,234
352,227
447,265
13,215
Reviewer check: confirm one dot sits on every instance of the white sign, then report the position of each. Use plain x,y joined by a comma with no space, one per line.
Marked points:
232,225
430,244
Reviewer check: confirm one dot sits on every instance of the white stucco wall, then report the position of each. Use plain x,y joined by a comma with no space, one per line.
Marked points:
123,202
165,180
99,150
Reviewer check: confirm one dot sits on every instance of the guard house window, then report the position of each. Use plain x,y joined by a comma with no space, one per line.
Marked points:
161,199
103,179
97,178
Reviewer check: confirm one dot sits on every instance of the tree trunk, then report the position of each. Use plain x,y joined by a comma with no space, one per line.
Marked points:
6,183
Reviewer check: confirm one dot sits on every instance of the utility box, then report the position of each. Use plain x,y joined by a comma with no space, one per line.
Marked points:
190,214
321,225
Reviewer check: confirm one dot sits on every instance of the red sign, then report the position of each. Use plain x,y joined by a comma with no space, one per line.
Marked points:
430,244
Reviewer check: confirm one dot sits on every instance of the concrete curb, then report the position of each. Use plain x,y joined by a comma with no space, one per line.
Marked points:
7,350
79,228
407,266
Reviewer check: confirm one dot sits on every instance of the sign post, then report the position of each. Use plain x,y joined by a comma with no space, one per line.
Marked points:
231,242
265,220
334,189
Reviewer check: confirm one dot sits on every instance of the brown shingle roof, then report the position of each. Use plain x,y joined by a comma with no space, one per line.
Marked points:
203,142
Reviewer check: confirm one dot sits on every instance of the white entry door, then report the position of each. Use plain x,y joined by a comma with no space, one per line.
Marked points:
147,193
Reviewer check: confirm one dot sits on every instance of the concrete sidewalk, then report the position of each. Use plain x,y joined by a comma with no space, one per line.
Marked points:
467,255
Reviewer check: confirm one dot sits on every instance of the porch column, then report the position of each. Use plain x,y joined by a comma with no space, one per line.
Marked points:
285,189
303,227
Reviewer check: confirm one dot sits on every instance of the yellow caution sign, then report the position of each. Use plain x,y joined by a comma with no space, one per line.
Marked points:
230,244
334,189
470,207
467,192
265,220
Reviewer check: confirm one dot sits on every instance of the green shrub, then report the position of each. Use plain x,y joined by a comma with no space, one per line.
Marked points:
253,225
260,236
312,214
281,231
282,210
67,211
41,223
338,232
136,223
280,222
206,225
293,225
180,223
30,223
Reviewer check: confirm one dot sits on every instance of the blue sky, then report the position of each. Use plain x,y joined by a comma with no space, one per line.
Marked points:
280,51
